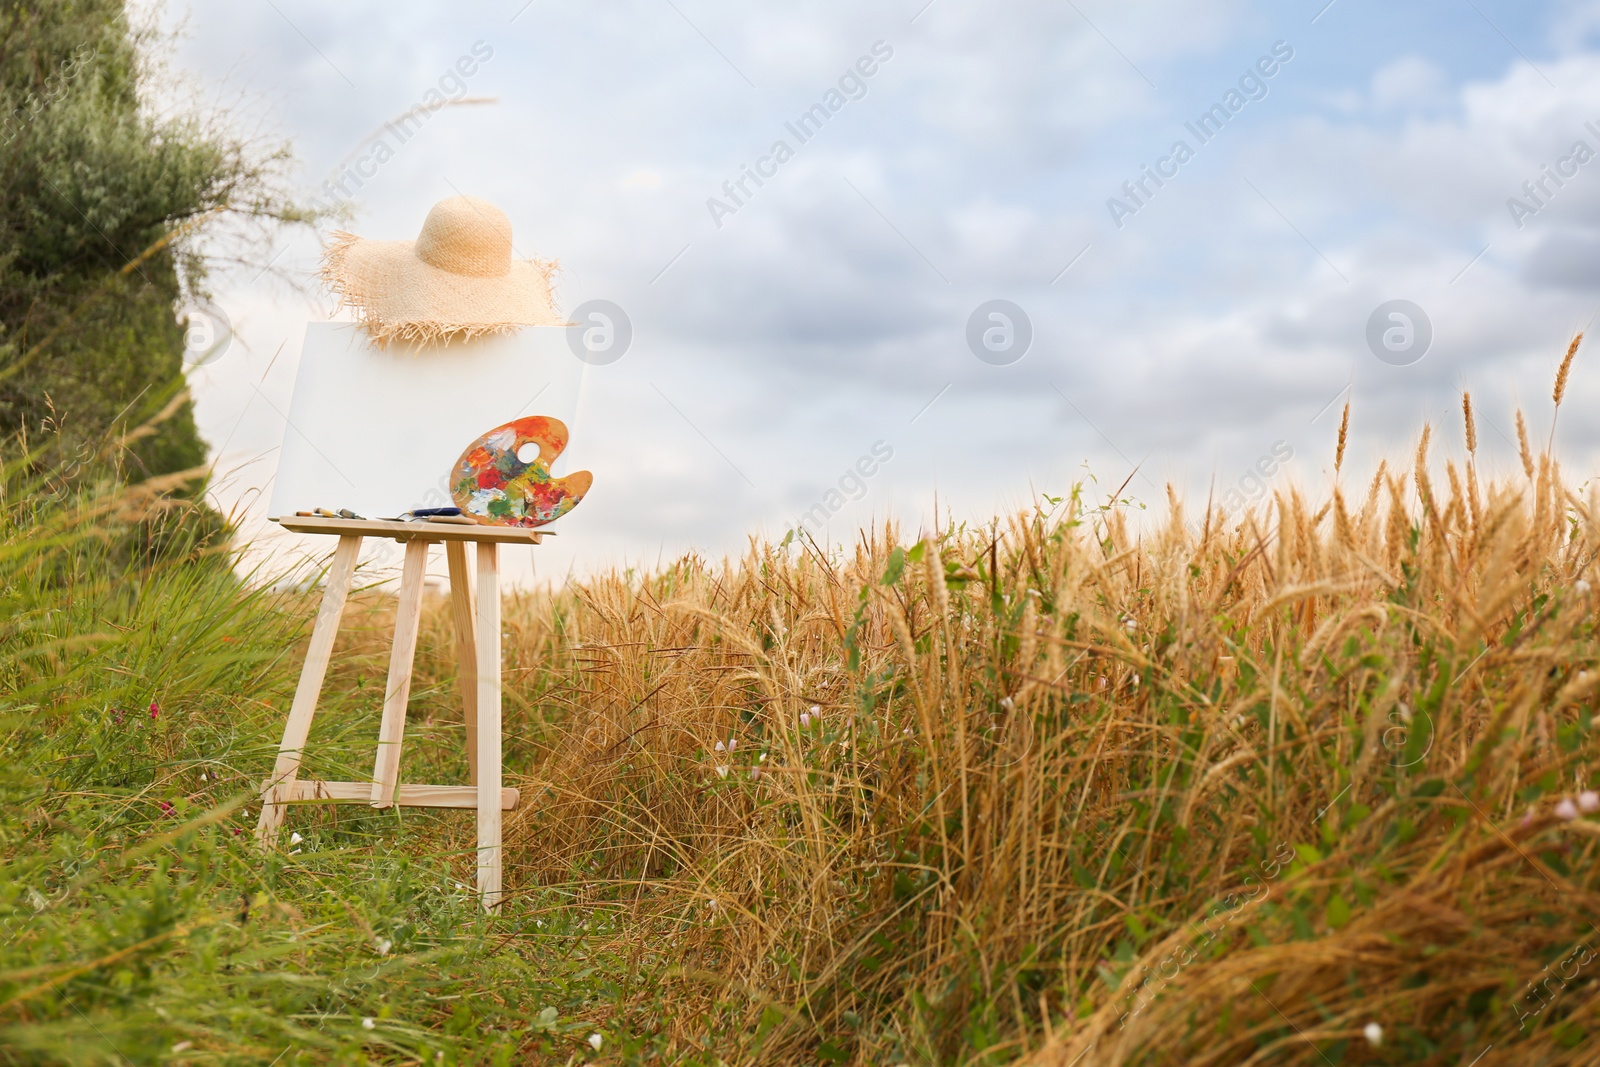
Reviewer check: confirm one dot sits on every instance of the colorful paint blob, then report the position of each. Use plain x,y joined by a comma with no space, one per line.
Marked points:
491,484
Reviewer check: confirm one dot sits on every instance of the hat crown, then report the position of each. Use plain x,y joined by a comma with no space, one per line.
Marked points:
465,235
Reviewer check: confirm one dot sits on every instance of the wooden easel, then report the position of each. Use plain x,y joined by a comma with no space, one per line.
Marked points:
478,648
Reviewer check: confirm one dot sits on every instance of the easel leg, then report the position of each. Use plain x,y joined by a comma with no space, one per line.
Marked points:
466,647
408,615
298,728
489,725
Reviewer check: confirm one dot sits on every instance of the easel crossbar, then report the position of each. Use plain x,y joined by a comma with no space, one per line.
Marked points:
411,796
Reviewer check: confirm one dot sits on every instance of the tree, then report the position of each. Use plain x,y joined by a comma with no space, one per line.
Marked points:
104,204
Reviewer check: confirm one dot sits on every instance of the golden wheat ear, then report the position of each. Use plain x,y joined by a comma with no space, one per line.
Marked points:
1560,389
1344,433
1522,445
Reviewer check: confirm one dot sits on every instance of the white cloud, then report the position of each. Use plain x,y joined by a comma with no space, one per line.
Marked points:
1411,84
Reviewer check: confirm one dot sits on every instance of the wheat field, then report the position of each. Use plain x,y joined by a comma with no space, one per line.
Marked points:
1237,790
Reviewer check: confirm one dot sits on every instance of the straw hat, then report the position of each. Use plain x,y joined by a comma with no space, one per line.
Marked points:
456,280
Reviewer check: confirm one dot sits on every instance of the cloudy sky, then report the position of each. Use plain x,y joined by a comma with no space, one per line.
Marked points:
1182,326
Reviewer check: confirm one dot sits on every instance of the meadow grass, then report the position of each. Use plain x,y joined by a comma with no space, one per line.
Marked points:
1311,784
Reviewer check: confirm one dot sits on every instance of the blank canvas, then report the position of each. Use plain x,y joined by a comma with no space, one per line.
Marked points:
378,430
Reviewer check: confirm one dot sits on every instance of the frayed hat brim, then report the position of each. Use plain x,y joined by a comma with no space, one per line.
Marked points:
397,297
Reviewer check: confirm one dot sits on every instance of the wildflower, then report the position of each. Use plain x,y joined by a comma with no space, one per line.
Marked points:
1589,801
722,770
155,709
203,777
595,1041
721,747
816,711
166,807
733,743
116,715
1567,809
1373,1033
369,1023
755,773
805,719
1008,704
383,946
295,838
1581,586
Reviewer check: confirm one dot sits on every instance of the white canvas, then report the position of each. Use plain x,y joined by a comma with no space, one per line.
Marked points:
379,430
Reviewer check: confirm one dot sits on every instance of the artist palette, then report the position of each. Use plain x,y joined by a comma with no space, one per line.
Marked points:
493,484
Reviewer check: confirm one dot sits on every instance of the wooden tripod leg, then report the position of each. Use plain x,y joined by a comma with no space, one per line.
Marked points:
408,615
466,647
298,728
489,724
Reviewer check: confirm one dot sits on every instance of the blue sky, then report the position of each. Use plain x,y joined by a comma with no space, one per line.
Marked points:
829,312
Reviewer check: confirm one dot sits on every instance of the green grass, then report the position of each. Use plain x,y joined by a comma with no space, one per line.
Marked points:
138,922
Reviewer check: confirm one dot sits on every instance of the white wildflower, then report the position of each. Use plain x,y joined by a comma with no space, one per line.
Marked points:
805,719
295,839
722,770
383,946
369,1023
1373,1033
595,1041
721,747
1008,704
